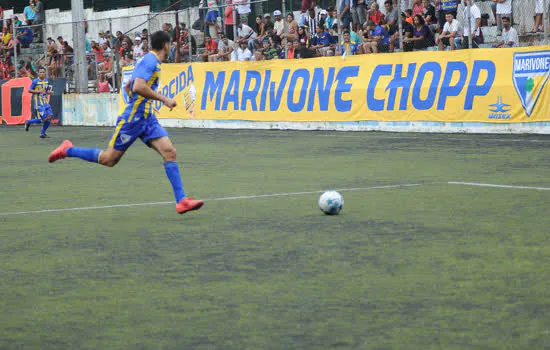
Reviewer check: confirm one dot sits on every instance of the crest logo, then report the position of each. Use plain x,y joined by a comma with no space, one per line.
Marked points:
531,72
125,138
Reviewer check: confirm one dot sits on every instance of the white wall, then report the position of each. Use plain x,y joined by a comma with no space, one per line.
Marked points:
102,110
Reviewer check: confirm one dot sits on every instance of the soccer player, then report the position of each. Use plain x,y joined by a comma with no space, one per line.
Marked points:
40,88
139,121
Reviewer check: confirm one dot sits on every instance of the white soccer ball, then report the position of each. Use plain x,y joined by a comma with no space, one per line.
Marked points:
331,202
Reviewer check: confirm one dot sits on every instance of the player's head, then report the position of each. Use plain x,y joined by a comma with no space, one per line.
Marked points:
41,73
160,41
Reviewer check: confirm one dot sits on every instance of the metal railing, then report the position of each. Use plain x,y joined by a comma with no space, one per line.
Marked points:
529,18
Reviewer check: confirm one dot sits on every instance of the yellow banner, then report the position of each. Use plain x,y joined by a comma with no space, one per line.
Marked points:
483,85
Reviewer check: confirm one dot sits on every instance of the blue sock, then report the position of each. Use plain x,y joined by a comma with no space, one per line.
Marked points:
34,121
173,173
88,154
45,127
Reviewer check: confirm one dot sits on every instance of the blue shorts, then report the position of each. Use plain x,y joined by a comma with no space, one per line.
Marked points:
127,132
211,16
45,111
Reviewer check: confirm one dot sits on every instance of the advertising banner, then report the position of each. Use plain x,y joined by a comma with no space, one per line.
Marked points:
16,101
483,85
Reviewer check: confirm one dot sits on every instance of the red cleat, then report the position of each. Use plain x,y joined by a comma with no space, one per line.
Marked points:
188,204
60,152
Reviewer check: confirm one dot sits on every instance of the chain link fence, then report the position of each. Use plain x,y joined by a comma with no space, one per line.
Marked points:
111,42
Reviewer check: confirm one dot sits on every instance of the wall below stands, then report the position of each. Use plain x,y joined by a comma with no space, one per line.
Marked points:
90,109
102,110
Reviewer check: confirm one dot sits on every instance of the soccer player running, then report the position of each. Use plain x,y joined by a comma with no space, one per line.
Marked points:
138,121
40,88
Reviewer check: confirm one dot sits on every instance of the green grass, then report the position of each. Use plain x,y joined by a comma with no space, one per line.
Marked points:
429,267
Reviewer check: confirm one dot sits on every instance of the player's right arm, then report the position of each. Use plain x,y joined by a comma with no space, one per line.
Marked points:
32,88
141,88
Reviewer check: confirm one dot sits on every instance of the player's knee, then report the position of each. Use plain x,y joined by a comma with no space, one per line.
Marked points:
108,160
169,154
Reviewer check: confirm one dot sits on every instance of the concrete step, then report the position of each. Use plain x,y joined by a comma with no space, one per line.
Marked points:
34,53
37,46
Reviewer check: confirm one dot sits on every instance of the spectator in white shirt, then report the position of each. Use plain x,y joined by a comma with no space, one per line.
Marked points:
138,51
225,48
102,38
243,8
509,35
245,33
474,27
504,9
278,25
450,31
242,53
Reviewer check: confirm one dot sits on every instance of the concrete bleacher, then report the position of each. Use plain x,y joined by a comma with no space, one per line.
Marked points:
35,51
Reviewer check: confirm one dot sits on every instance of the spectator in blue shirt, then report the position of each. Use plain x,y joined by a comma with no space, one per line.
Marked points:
25,36
29,12
348,47
378,38
322,41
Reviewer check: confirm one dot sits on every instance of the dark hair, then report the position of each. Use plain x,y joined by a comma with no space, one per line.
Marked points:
290,14
159,40
59,38
409,11
40,68
449,13
388,2
420,19
506,18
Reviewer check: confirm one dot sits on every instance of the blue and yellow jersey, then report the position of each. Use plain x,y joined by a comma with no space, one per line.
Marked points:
138,106
40,100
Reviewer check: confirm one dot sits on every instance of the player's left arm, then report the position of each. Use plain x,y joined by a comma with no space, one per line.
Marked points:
49,89
141,88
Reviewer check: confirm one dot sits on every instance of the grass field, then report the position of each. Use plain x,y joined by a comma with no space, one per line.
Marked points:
432,266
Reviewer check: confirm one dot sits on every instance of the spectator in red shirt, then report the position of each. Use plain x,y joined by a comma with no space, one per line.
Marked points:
98,50
374,14
211,48
229,20
417,8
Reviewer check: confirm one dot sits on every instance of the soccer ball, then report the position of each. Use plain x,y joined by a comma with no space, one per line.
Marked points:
331,202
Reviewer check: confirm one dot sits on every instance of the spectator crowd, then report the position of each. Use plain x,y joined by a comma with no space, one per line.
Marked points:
353,27
365,27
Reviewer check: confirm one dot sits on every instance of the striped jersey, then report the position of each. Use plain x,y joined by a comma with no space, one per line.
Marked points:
138,106
40,100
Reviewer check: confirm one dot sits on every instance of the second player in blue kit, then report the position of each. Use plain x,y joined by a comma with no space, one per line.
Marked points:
40,89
